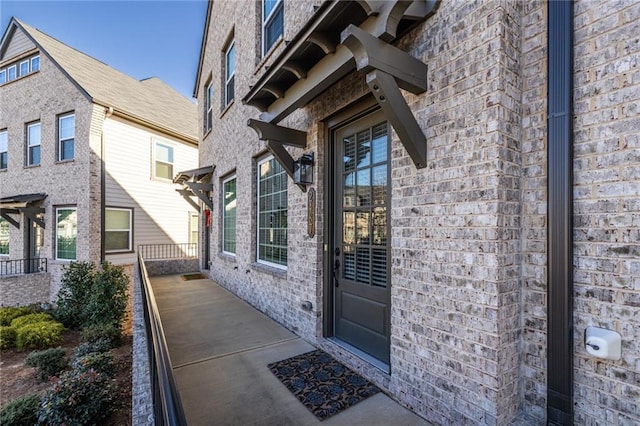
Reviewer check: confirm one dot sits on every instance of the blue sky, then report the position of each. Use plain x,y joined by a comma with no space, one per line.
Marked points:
140,38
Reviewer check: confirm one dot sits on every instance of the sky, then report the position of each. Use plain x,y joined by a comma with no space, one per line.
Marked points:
142,38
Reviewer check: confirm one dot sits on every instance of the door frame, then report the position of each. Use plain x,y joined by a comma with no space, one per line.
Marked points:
355,111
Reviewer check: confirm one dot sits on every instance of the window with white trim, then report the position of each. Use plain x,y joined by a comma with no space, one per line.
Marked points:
66,137
230,70
35,64
12,73
33,144
208,108
193,228
272,23
4,236
229,204
4,149
24,68
272,213
66,233
19,69
118,225
163,161
3,76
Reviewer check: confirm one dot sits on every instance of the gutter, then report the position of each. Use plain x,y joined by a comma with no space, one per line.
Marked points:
560,213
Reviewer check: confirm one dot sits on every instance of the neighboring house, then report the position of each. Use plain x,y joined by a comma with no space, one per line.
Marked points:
87,160
449,248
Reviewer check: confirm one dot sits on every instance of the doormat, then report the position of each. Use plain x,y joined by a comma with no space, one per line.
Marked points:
321,383
189,277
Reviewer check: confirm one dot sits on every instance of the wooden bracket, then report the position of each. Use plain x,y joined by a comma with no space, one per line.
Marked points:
4,213
32,213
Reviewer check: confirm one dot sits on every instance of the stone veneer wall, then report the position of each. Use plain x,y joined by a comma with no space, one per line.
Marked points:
23,290
171,266
141,394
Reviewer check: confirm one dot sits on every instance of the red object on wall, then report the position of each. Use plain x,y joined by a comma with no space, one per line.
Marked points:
207,215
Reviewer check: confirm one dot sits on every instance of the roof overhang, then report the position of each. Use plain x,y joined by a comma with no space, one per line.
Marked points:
196,182
342,37
27,204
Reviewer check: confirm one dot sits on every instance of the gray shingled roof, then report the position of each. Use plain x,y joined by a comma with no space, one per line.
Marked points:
150,100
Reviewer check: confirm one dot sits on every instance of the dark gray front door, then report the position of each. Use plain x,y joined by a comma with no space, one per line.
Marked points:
361,235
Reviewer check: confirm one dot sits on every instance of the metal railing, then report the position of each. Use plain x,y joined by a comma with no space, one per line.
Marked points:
168,251
167,405
23,266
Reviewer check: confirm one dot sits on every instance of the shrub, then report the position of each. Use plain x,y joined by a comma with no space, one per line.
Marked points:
21,411
30,319
48,363
100,345
7,337
75,289
107,302
8,314
110,333
76,398
102,362
40,335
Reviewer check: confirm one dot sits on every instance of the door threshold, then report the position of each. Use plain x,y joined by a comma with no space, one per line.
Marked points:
383,366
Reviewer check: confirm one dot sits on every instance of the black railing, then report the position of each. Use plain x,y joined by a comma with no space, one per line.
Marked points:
23,266
168,251
167,404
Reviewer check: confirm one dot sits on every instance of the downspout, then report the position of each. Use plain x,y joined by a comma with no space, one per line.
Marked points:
560,213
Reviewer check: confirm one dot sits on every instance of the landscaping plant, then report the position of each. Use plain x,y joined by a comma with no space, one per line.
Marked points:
102,362
21,411
9,313
48,363
39,335
75,290
7,337
30,319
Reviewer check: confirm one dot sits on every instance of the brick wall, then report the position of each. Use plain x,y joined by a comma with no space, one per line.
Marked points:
23,290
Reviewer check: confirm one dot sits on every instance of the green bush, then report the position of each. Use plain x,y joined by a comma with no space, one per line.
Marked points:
75,290
102,362
76,398
8,314
110,333
48,363
107,301
21,411
99,345
7,337
40,335
30,319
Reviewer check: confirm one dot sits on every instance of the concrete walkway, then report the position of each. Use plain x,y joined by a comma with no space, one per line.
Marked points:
220,347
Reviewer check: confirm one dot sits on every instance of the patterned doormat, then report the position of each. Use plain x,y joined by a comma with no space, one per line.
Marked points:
321,383
189,277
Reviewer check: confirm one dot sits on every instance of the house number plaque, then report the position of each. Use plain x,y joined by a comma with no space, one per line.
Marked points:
311,213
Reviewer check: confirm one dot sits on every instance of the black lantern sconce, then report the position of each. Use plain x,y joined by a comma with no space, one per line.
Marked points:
303,170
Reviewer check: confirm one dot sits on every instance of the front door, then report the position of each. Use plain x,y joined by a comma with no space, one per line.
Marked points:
360,252
35,241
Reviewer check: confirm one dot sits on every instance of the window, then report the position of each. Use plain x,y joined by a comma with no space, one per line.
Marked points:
35,63
24,68
66,137
272,23
229,216
193,228
3,76
4,236
117,230
230,69
208,107
163,161
11,73
33,144
4,149
272,213
66,233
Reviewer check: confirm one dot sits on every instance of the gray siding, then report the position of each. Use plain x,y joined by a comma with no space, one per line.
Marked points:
18,44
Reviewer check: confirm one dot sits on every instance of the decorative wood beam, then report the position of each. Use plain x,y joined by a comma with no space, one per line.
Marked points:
421,9
389,17
323,41
296,69
32,213
283,157
200,190
274,90
5,215
395,108
187,194
372,53
274,133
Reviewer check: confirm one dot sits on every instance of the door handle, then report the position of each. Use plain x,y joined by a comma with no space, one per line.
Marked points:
336,266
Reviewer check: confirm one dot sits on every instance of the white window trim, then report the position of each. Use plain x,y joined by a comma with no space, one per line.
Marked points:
258,260
30,145
9,228
27,62
227,101
5,133
191,230
228,179
266,21
130,230
15,73
60,139
56,233
208,94
32,60
173,163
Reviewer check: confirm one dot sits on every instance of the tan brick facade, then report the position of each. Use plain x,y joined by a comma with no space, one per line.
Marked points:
469,244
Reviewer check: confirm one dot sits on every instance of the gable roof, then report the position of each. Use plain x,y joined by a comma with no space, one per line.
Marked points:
150,101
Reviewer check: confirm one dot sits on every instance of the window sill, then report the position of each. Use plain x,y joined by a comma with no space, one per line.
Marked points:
271,270
31,166
19,78
71,160
3,170
227,108
268,55
119,252
161,180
